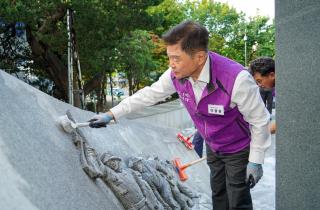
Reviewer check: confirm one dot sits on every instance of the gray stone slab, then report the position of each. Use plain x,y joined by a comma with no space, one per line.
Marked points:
171,114
40,167
298,104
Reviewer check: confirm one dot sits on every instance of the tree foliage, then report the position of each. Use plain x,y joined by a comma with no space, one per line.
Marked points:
227,29
135,58
99,26
118,35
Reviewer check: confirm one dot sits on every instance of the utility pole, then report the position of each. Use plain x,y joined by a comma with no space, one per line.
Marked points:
70,58
245,38
75,86
79,91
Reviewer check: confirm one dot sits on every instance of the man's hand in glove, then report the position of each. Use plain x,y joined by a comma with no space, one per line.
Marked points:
100,120
254,173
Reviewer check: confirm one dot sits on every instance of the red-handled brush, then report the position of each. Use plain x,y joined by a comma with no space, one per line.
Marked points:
186,140
180,168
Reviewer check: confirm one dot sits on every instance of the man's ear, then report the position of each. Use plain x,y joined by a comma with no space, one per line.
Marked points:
272,74
201,57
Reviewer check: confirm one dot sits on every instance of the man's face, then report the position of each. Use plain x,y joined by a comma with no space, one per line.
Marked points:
138,166
267,81
182,64
114,165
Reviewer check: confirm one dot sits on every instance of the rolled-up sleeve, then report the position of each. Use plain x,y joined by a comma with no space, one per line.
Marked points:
247,97
147,96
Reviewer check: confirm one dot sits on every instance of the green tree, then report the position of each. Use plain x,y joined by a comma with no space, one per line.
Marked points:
261,37
106,30
227,30
222,23
169,13
99,25
135,58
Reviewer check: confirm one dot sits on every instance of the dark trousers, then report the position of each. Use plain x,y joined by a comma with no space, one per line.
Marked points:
227,179
267,98
198,143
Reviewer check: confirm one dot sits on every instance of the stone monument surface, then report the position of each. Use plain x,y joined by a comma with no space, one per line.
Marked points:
40,166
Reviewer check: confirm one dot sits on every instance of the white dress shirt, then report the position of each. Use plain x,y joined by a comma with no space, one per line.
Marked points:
245,95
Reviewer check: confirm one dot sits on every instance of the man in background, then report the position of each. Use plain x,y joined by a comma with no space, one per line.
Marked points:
263,71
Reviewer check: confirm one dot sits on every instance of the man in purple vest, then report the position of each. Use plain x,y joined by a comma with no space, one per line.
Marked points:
224,103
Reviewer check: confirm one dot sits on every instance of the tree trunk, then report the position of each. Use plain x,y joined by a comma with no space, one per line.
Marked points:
130,84
100,96
57,70
93,83
111,89
50,63
76,90
53,65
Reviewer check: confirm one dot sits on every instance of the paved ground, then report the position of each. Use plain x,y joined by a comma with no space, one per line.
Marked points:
263,194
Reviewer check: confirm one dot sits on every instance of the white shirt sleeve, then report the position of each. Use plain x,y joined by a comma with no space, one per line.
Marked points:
147,96
247,97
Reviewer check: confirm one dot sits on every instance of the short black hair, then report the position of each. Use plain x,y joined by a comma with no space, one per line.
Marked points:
192,35
262,65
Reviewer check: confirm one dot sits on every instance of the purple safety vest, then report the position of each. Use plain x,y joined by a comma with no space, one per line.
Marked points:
222,127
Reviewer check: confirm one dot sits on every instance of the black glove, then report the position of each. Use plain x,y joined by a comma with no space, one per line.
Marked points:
100,120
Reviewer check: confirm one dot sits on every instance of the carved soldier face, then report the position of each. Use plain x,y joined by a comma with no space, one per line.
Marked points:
138,166
114,164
